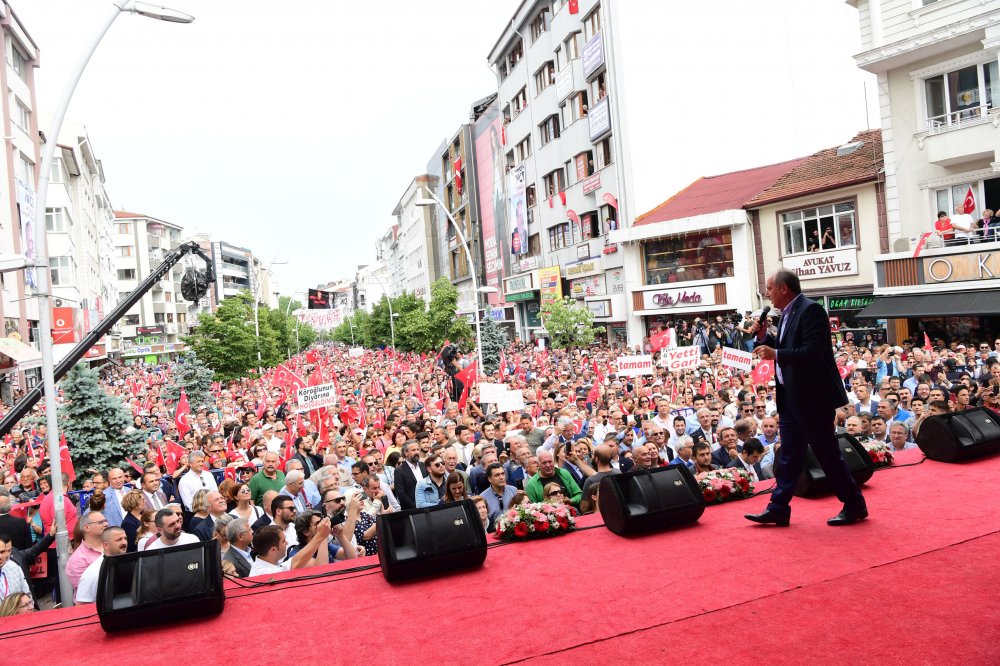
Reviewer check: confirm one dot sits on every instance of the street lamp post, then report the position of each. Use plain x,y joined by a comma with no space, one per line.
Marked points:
42,281
434,201
388,299
288,308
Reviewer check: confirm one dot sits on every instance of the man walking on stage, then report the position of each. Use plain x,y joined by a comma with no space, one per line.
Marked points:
809,390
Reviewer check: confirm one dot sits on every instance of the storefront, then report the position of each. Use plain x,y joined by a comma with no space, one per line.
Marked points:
602,291
951,293
521,293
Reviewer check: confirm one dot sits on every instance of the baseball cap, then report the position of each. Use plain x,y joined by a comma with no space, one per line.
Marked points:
267,426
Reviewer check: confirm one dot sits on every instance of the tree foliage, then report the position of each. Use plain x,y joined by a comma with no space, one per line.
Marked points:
494,341
568,323
98,427
194,377
283,323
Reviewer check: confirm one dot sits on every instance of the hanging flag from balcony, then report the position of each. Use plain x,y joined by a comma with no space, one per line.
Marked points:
970,202
574,6
562,198
458,174
320,300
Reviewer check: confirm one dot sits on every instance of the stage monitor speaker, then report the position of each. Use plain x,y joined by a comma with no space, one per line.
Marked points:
430,541
955,436
813,480
649,500
158,586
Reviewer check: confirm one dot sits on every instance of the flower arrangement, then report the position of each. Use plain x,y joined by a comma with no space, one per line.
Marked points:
879,452
533,521
723,485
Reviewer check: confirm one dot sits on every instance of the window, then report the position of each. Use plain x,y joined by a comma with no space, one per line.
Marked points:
124,250
589,226
699,256
124,228
540,24
18,62
592,24
131,320
515,55
605,153
122,295
559,237
571,48
948,198
584,165
520,101
22,118
529,194
61,269
459,267
523,150
506,114
598,90
818,229
554,182
575,108
502,70
167,297
960,95
609,218
549,129
55,220
534,245
26,170
545,77
158,318
126,273
511,163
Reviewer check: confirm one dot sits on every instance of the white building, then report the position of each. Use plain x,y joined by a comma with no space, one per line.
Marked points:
414,262
939,93
79,223
152,329
551,163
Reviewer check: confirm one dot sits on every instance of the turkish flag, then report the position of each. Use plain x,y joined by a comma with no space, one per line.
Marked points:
574,6
927,343
284,377
174,454
844,371
182,414
763,373
468,375
458,174
551,204
969,206
312,356
562,198
595,393
65,460
503,367
662,339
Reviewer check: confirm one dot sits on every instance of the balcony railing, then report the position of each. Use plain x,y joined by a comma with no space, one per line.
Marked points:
968,117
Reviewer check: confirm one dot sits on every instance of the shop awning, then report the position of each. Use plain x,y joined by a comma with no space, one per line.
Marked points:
933,305
25,356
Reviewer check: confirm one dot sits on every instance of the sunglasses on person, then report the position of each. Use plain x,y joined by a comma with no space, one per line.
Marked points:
334,500
555,493
281,430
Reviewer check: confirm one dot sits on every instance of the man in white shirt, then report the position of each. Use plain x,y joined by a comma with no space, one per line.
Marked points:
114,541
863,400
270,545
274,438
113,495
749,459
195,479
962,223
294,484
171,527
463,446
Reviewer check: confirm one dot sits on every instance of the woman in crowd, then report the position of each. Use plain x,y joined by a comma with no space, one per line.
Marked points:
484,512
16,604
454,490
199,509
132,504
244,505
147,529
226,488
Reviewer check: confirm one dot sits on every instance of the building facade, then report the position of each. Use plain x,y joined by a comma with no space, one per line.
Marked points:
152,329
414,257
551,157
939,91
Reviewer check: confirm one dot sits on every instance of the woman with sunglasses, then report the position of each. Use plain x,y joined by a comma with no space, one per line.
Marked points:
245,507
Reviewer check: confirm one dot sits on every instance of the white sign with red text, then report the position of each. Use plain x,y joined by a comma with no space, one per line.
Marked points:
681,358
633,366
737,359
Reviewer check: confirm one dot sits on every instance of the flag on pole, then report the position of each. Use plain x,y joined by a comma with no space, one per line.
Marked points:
763,373
927,342
65,460
182,413
969,205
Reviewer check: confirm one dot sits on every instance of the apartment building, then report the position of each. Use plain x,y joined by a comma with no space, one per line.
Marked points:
939,91
152,329
414,260
556,184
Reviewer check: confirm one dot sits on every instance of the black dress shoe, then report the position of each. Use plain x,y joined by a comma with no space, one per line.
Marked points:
848,517
769,518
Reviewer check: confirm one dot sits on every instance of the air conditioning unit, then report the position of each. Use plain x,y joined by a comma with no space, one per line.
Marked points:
903,244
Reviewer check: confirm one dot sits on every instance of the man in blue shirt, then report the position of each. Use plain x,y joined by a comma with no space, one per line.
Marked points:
431,489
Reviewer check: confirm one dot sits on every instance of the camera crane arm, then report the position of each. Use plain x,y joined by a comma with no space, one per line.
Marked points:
18,411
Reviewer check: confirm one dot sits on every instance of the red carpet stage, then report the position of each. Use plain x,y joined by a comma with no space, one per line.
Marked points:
916,583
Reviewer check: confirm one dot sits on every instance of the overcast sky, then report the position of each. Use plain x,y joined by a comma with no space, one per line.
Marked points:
294,128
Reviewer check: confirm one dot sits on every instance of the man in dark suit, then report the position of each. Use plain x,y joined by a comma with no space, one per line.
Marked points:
310,461
240,537
749,458
409,472
16,528
809,390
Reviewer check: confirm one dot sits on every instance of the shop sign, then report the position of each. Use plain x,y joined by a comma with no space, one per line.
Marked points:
962,267
582,268
850,302
564,83
588,286
593,55
678,298
599,308
534,310
816,265
525,264
519,283
592,183
616,281
550,284
521,296
600,120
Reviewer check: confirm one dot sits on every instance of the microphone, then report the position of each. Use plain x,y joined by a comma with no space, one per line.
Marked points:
762,324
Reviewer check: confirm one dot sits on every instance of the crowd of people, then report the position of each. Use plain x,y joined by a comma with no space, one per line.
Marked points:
282,490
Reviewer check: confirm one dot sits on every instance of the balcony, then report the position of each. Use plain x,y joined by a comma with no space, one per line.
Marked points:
937,267
961,136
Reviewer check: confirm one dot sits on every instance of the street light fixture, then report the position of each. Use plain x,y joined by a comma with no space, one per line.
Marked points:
432,201
42,282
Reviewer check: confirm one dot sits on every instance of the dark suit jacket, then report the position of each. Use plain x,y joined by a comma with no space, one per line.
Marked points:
131,526
809,374
17,529
406,485
162,496
242,568
316,461
721,457
263,521
205,529
739,465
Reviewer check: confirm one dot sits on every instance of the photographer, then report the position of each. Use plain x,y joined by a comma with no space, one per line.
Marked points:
699,337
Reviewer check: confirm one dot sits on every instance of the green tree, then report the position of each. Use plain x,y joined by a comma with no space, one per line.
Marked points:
283,322
194,377
494,341
568,323
98,427
226,342
441,311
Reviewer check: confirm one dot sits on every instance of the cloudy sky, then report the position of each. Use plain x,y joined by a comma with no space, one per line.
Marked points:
294,128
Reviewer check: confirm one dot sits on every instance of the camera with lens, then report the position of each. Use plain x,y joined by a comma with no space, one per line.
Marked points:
735,317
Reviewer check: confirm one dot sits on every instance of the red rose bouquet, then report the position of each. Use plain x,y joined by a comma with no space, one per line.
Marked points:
722,485
532,521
